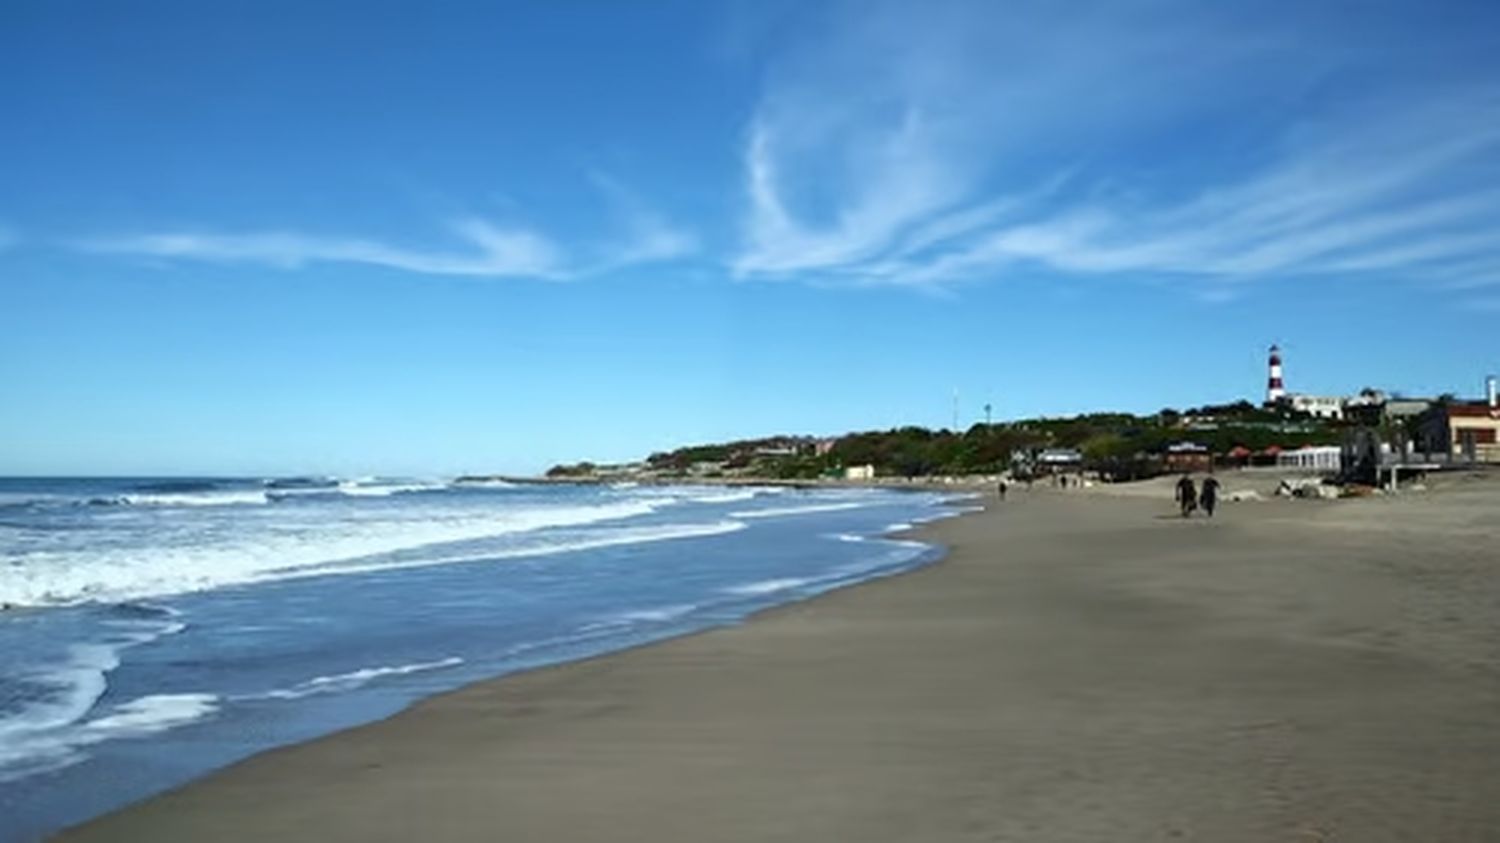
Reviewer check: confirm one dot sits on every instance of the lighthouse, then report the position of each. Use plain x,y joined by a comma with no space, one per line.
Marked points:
1274,389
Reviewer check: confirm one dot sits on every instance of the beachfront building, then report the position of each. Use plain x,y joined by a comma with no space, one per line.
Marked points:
1058,461
1188,457
1312,458
860,472
1468,431
1318,406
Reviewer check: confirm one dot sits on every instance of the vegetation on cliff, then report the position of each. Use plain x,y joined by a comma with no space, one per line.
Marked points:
1120,443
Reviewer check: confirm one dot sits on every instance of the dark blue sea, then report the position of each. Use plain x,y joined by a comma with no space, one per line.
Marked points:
157,629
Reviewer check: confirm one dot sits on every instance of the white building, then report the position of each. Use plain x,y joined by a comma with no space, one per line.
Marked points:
1319,406
860,472
1312,458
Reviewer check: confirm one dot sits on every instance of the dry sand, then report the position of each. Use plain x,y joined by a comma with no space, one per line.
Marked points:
1080,668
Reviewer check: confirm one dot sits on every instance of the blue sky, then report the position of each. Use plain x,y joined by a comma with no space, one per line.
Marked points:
392,237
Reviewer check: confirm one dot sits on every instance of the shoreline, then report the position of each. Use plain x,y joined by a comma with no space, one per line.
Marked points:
882,549
1071,668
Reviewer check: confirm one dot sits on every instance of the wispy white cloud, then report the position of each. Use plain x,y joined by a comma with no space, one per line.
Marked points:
482,248
492,251
645,235
928,147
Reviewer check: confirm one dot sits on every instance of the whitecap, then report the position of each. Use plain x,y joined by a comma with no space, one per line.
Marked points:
237,497
613,538
108,574
725,497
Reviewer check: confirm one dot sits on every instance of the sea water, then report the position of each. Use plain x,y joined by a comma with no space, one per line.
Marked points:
157,629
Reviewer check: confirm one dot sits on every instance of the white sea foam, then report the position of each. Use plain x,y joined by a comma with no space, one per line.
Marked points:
725,497
363,487
659,614
41,750
379,489
809,509
238,497
613,538
110,574
341,682
626,620
694,494
943,516
767,586
75,685
487,483
47,732
905,543
151,714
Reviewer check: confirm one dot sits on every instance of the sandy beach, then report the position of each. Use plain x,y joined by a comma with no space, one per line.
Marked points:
1080,667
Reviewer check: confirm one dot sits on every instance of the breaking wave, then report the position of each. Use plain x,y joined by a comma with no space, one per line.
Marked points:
112,574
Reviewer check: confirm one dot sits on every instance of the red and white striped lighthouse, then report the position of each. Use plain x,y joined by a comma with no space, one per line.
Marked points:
1274,389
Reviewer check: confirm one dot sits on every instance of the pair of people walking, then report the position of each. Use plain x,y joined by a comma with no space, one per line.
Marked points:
1189,497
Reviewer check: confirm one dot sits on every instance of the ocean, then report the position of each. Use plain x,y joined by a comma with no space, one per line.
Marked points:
157,629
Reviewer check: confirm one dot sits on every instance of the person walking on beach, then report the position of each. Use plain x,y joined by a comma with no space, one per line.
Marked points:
1208,498
1001,489
1187,495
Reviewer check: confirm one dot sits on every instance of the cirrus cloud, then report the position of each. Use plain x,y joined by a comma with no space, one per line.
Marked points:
482,249
493,251
1162,138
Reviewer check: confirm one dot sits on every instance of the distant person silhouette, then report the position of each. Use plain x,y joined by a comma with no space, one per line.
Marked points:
1187,495
1208,498
1001,490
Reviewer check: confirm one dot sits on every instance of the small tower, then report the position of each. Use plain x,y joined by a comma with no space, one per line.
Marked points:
1275,391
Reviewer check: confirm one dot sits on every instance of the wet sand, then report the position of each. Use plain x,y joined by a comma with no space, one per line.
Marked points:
1081,667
